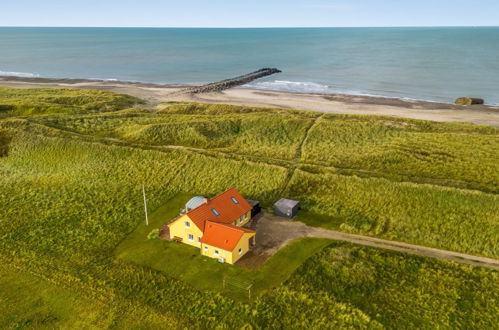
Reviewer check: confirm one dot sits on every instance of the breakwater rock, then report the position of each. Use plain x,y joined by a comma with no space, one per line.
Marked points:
233,82
469,101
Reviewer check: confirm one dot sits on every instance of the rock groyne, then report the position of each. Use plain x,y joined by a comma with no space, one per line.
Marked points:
233,82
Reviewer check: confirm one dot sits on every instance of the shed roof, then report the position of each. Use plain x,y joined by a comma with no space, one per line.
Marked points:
252,202
222,235
286,203
194,202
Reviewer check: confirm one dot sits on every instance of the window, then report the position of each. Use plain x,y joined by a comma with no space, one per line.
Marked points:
216,252
187,224
215,212
206,248
199,239
191,237
241,220
240,251
234,200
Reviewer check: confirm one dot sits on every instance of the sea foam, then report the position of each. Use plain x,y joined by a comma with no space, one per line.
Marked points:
290,86
18,74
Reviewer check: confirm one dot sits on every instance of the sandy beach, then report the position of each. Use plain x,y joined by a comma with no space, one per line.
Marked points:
328,103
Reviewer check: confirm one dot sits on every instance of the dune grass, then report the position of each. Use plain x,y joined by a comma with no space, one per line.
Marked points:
450,154
31,302
40,101
257,133
72,211
401,291
452,219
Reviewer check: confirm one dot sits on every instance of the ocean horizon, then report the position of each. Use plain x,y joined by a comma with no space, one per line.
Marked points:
436,64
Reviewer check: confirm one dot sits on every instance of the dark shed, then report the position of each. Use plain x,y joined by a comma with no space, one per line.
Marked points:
286,208
255,207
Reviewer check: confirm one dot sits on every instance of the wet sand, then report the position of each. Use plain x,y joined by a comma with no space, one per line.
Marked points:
330,103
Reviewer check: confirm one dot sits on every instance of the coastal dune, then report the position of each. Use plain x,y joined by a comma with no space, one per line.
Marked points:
327,103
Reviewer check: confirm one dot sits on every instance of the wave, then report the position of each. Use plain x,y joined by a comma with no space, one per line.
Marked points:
290,86
19,74
104,79
311,88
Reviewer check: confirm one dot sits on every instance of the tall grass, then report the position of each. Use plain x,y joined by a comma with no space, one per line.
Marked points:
69,199
448,218
28,102
460,155
264,134
400,291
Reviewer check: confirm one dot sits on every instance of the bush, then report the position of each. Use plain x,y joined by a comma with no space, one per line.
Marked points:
154,234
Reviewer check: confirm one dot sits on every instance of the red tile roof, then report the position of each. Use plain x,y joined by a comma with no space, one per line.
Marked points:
224,206
222,235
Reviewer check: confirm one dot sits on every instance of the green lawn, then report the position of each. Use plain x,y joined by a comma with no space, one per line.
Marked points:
184,262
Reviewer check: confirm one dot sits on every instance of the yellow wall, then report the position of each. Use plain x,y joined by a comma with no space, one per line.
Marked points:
244,245
178,228
230,256
245,220
210,252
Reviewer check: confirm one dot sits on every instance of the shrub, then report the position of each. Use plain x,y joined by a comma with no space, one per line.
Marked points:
154,234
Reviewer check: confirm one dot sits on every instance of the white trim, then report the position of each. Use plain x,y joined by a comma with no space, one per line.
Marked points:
189,237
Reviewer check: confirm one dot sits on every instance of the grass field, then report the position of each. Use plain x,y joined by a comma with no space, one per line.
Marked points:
42,101
401,291
72,213
31,302
186,262
425,152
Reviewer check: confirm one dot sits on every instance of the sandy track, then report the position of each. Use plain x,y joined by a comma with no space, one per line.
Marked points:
274,232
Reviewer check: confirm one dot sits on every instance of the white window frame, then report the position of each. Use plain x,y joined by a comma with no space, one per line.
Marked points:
187,224
189,237
234,200
206,248
216,253
240,251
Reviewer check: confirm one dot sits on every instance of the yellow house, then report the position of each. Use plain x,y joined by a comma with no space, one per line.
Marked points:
215,226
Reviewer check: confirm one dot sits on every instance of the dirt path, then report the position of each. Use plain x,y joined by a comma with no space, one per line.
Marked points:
274,232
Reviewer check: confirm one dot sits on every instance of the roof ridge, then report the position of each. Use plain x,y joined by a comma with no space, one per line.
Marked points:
231,226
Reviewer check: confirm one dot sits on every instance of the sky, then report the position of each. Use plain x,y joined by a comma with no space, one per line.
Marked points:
249,13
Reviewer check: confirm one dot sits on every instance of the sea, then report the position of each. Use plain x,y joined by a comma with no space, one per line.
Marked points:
435,63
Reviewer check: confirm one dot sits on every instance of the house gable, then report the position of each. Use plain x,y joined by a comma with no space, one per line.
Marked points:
186,229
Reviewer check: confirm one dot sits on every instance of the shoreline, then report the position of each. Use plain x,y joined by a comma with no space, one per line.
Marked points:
327,103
